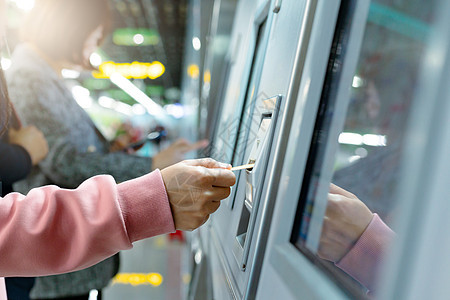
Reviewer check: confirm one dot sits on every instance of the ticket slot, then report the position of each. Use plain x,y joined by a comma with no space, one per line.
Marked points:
259,156
259,150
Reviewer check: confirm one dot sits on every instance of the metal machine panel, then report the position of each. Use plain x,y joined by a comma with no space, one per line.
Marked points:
226,221
283,36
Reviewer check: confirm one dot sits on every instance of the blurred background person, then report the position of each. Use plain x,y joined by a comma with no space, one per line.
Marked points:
61,34
20,149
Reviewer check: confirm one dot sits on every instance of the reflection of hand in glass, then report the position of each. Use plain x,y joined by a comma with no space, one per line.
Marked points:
345,220
353,237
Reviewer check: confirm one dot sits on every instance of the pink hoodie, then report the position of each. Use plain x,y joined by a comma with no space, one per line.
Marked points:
54,230
363,261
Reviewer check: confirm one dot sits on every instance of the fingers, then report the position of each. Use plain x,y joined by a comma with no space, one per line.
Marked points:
207,163
213,193
204,221
220,193
223,178
212,207
217,177
195,189
336,205
334,189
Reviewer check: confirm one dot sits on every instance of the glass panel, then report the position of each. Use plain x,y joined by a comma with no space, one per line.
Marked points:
235,114
370,145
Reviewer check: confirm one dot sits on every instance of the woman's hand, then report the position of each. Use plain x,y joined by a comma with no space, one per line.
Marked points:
175,153
195,188
345,220
32,140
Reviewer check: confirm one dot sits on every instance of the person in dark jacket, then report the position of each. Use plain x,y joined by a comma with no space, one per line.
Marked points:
20,149
15,159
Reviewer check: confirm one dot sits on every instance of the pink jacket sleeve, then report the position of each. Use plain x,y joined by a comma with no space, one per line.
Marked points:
363,260
53,230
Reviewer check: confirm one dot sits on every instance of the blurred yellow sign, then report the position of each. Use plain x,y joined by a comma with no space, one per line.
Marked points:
135,70
134,279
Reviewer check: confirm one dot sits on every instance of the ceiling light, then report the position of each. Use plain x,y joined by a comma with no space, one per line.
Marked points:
350,138
70,74
357,82
175,110
196,43
79,91
123,108
374,140
82,96
133,91
95,59
138,39
106,102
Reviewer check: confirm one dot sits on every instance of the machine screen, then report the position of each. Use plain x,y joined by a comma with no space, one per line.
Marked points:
367,161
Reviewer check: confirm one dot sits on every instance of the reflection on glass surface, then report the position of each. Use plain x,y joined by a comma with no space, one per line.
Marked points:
370,145
387,72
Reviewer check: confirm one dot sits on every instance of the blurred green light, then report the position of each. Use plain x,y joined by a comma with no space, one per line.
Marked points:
120,95
155,90
96,84
126,36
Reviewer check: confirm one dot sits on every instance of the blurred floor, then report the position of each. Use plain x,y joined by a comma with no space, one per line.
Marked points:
154,269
